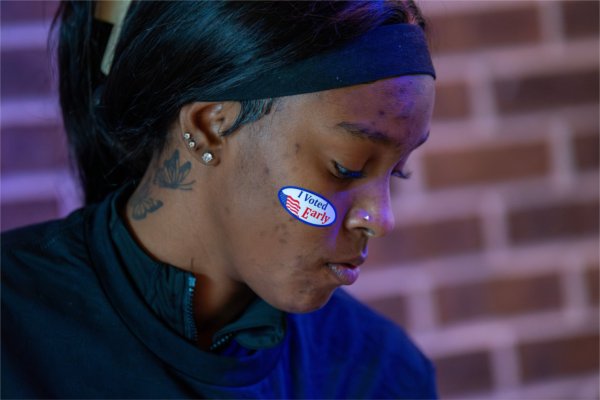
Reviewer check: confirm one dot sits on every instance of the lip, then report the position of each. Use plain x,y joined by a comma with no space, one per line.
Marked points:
346,272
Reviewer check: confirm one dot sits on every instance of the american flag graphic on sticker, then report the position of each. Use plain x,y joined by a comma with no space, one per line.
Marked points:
292,204
306,206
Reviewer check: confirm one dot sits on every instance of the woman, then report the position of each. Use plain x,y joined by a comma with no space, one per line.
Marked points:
236,159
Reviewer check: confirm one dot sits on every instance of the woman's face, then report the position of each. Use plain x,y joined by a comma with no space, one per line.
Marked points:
344,145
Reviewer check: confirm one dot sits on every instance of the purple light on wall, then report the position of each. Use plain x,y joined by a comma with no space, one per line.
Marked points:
35,179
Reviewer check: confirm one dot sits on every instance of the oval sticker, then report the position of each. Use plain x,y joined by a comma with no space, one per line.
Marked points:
307,206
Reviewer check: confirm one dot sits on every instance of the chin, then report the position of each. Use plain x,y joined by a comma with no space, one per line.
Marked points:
303,303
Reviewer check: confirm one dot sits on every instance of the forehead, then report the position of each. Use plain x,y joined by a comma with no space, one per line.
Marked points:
399,97
399,108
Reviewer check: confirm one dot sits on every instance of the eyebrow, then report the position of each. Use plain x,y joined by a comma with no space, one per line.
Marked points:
363,132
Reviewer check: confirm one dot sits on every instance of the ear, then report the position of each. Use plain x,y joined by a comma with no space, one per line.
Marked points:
201,125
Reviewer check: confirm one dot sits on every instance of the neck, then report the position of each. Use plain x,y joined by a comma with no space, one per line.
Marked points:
170,229
213,309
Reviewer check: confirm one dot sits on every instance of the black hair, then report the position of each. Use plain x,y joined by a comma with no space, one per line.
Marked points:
172,53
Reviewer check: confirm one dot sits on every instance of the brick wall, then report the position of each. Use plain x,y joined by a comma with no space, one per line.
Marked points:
36,183
493,267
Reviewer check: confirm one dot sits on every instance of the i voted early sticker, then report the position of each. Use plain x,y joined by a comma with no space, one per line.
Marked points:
307,206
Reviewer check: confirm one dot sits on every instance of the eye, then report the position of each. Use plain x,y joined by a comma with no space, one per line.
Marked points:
345,173
402,174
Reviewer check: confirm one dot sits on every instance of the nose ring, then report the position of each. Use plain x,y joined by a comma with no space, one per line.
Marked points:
368,231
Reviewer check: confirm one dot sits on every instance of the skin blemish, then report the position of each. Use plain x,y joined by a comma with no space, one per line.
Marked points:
381,113
298,148
282,240
406,110
303,291
267,171
401,117
281,228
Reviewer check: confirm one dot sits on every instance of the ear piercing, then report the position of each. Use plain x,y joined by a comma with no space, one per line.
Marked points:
188,138
207,157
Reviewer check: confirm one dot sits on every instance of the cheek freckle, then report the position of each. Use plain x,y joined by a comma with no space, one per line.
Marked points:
281,228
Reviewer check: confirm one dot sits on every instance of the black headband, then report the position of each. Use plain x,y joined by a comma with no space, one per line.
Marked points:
385,52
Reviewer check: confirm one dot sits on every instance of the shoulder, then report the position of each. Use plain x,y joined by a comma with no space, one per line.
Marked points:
346,329
49,275
48,260
54,309
48,245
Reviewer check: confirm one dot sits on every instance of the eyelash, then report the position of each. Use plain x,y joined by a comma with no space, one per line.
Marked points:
402,174
345,173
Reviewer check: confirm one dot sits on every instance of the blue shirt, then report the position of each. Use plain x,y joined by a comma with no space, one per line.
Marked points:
87,314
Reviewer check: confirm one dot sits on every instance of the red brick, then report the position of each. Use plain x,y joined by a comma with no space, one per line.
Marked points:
451,101
463,373
427,240
559,357
592,278
392,307
25,73
586,151
580,18
44,146
486,164
558,221
484,30
27,11
532,93
498,298
20,214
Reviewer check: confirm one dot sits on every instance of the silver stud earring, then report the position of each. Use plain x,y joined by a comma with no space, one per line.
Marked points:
188,138
207,157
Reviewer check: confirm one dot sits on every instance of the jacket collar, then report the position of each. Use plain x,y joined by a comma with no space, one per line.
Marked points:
168,291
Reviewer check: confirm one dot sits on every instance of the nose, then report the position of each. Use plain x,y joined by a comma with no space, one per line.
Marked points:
371,214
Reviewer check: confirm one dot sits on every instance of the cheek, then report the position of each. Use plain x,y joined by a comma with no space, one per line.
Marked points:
280,232
269,231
